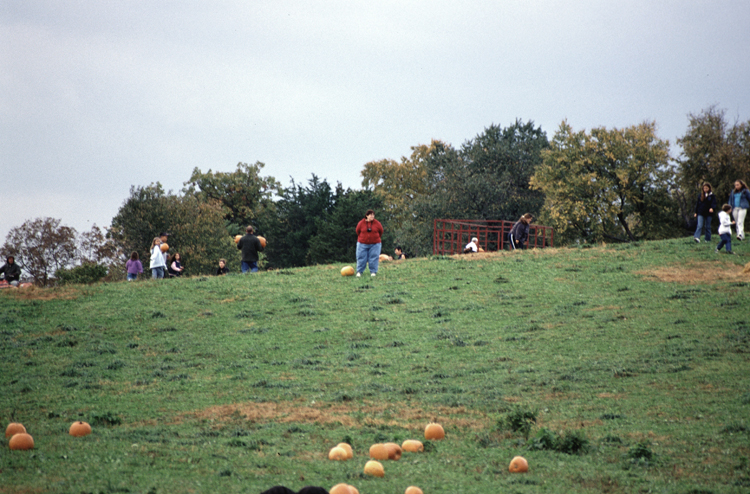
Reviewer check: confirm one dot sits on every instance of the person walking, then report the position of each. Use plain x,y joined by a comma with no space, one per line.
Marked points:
725,229
704,212
520,231
157,265
134,266
250,246
369,243
739,201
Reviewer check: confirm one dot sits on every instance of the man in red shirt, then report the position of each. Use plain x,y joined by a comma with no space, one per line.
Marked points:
369,244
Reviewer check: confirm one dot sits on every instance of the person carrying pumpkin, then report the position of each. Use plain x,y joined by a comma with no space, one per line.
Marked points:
369,243
250,246
158,265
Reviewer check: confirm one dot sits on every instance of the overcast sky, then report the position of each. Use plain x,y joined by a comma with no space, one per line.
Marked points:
97,96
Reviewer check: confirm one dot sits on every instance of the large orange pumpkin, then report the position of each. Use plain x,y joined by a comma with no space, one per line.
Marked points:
164,247
353,489
434,432
412,446
262,241
21,440
340,489
518,465
338,454
346,447
237,239
347,271
80,429
394,451
413,490
14,428
374,468
378,452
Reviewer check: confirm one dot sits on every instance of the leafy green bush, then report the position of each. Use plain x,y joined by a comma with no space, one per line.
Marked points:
569,443
86,273
519,420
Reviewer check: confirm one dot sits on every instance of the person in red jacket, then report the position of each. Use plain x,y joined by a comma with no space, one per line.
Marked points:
369,233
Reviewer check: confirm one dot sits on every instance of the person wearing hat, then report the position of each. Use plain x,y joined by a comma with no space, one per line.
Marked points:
11,271
472,246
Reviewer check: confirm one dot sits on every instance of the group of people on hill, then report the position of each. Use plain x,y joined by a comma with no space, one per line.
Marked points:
732,213
517,237
161,263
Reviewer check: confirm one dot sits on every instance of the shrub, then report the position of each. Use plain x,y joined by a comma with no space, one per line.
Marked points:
519,420
84,274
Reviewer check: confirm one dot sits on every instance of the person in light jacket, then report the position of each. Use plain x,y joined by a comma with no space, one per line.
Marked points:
739,201
158,265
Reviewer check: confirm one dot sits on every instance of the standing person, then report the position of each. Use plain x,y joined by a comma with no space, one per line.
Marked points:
472,246
250,246
134,266
369,243
11,271
175,267
704,211
158,264
739,201
520,232
725,229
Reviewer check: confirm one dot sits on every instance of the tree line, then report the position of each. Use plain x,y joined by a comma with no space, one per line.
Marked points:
600,185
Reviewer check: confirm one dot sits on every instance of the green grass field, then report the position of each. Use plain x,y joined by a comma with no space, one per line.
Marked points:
611,369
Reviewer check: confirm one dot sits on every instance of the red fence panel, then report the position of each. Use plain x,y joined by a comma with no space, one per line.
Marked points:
450,236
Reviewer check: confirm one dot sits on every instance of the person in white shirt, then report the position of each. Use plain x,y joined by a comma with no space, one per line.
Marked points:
472,246
725,229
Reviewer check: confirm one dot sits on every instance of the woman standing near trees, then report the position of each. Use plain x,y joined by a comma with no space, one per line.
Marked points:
704,211
157,259
739,200
369,243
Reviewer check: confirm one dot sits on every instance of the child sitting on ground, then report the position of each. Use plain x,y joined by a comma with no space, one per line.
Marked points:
222,267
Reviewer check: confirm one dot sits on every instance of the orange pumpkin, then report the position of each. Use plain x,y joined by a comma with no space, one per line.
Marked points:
413,490
378,452
262,241
14,428
434,432
394,451
340,489
346,447
384,257
412,446
347,271
237,239
353,489
21,441
338,454
518,465
80,429
374,468
164,247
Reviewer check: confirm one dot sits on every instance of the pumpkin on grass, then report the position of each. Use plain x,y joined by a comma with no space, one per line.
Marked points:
434,432
347,271
518,465
338,454
80,429
394,451
413,490
412,446
378,452
346,447
21,441
374,468
14,428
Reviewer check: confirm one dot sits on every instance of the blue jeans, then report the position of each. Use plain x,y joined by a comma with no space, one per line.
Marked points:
368,254
249,266
157,273
726,239
132,276
704,226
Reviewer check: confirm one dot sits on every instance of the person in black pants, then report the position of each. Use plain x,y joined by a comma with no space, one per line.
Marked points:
704,212
520,232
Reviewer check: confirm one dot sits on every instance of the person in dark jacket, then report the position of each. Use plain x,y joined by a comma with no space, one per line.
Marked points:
369,243
222,269
520,232
704,212
11,271
250,246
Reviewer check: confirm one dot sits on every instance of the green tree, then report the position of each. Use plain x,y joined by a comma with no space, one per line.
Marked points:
244,195
714,152
41,247
607,184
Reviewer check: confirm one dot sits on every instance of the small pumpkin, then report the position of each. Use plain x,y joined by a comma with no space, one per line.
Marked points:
412,446
14,428
340,489
518,465
237,239
346,447
384,257
80,429
262,241
413,490
434,432
394,451
378,452
21,441
164,247
347,271
374,468
338,454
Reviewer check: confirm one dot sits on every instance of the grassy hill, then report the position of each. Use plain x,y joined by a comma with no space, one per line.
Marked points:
611,369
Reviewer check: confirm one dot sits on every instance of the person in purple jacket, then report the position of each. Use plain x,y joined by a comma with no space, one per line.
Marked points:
134,267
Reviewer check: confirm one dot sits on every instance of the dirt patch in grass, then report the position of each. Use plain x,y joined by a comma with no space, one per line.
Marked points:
350,415
497,255
36,293
697,272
